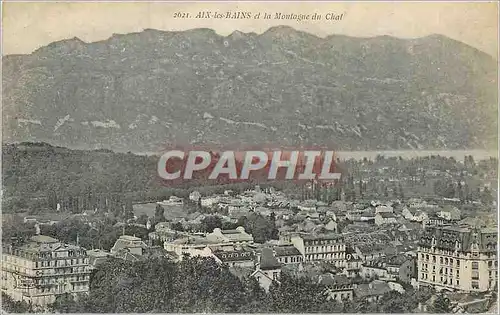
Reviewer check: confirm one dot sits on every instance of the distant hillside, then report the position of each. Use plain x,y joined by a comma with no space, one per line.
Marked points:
140,91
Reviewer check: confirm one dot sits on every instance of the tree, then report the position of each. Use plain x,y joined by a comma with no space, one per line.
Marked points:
129,210
52,200
209,223
177,226
65,303
296,295
159,214
440,305
11,306
142,219
262,228
15,231
395,302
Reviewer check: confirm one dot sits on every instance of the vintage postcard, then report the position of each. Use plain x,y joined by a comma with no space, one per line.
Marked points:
238,157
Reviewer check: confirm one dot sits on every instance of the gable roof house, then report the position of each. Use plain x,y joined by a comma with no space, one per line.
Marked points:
372,291
385,218
235,258
337,287
130,244
268,269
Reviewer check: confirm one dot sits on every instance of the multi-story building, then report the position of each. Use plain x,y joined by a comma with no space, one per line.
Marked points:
191,246
458,258
268,269
235,258
43,268
327,247
236,236
287,254
338,287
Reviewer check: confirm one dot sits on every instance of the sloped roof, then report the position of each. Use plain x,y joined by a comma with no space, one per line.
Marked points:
446,237
127,241
373,288
386,215
286,250
333,280
268,261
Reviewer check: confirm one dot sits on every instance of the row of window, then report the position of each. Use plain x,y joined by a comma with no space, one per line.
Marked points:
236,255
326,256
446,281
292,259
441,270
64,280
64,289
61,263
321,242
442,261
342,296
318,249
447,252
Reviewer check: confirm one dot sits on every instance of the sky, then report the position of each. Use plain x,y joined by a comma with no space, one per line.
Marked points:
30,25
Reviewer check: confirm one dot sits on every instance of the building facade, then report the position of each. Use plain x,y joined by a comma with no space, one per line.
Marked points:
236,236
43,268
287,254
458,258
326,247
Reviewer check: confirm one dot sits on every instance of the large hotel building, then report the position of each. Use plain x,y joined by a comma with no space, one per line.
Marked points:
458,258
42,269
327,247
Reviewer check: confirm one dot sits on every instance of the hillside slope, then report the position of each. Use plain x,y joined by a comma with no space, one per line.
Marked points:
143,90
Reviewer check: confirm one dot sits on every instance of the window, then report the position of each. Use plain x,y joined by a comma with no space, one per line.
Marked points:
458,282
490,264
433,259
440,260
458,263
475,285
475,265
475,275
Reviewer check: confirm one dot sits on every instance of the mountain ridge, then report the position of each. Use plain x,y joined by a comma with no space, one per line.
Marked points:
140,90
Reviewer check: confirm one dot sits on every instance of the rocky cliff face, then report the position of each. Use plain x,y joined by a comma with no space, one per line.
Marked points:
284,87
